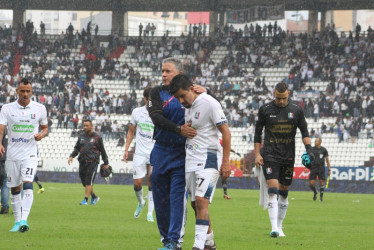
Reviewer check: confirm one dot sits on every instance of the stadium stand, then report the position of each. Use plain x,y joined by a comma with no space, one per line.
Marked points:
331,77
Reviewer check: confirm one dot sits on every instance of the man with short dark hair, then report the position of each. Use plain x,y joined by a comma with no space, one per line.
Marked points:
318,168
281,118
23,118
89,146
205,157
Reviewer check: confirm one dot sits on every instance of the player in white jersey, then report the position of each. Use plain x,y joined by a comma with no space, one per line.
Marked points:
142,123
23,118
204,157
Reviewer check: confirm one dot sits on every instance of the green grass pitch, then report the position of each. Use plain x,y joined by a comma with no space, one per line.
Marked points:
342,221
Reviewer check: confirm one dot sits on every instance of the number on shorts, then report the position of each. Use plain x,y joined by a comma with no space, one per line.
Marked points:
29,171
199,181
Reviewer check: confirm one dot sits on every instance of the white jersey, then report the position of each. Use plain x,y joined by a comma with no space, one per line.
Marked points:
144,131
23,124
204,150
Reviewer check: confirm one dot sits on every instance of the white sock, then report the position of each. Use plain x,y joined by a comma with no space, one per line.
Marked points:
209,241
200,234
28,197
150,202
273,211
282,210
139,196
16,205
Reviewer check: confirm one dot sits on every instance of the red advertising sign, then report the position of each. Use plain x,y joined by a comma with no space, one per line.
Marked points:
298,173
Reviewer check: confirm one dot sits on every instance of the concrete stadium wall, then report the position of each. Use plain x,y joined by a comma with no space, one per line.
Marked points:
365,187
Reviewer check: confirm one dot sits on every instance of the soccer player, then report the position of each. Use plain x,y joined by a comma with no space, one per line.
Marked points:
23,118
89,146
168,158
281,118
318,168
204,157
142,123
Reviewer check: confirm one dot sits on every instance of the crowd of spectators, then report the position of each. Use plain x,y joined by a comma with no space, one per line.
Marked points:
344,61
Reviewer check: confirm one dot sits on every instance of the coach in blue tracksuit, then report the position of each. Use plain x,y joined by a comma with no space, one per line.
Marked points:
168,158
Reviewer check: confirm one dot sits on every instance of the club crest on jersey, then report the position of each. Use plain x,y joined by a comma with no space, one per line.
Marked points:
269,171
290,115
197,115
32,116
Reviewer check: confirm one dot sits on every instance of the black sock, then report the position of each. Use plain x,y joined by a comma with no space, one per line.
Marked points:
39,184
93,196
321,190
86,198
313,188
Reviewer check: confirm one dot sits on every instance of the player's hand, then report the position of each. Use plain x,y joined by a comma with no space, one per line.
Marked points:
329,172
38,136
187,131
70,160
125,156
225,168
199,89
259,161
306,170
2,150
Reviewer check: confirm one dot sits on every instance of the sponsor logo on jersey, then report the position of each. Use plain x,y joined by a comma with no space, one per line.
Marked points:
197,115
24,120
273,116
290,115
321,156
146,127
24,140
192,147
21,128
144,135
32,116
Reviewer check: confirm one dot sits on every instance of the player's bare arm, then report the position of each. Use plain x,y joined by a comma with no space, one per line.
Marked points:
226,144
2,149
259,161
129,138
43,133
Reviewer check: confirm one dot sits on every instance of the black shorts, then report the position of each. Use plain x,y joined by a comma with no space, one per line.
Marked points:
317,172
87,172
283,172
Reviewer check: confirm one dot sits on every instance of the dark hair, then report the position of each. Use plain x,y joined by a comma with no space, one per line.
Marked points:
24,81
146,92
87,120
179,82
281,87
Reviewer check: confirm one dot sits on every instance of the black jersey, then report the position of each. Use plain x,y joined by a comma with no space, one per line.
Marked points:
89,148
280,124
320,155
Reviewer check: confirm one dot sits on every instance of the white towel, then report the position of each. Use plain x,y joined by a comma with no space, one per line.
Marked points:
264,196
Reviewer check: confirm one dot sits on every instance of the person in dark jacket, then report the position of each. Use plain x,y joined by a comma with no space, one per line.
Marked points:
89,147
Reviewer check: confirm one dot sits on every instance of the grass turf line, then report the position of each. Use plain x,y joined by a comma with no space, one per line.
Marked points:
57,221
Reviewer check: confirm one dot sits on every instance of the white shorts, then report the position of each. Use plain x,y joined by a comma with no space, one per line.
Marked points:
202,183
139,166
20,171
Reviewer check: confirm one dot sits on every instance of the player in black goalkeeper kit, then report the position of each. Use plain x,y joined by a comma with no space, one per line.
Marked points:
281,118
89,146
318,168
